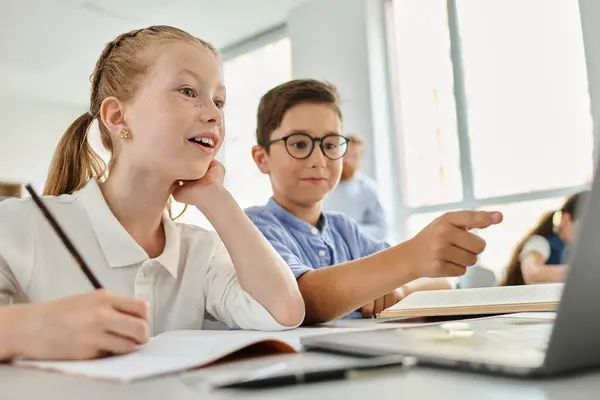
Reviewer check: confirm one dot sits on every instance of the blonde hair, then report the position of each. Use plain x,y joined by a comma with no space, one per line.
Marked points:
117,73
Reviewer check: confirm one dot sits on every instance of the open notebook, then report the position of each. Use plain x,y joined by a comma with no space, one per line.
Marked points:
178,351
478,301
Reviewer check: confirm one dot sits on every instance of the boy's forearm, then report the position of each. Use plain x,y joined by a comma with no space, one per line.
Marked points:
261,271
330,293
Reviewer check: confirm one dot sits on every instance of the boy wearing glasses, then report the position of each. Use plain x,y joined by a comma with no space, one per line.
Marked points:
341,271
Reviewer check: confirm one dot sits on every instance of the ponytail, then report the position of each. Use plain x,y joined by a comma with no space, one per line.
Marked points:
74,162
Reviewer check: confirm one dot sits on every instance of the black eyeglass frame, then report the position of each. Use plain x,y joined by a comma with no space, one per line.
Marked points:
313,141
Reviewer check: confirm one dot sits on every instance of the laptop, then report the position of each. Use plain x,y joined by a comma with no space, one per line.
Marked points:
528,345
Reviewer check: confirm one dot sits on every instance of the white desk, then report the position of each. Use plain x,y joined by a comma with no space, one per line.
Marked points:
415,383
418,383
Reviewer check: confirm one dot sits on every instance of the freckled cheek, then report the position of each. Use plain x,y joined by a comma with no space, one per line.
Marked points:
180,112
163,128
164,124
156,111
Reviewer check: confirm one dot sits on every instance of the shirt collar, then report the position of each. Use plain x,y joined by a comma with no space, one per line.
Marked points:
170,255
119,248
293,222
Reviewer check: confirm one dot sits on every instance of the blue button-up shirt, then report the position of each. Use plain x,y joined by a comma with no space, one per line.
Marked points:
304,247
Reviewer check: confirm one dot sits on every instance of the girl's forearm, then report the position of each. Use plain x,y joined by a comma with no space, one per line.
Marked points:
261,271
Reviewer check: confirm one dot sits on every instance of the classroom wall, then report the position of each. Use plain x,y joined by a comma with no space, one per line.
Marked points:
29,132
344,42
590,15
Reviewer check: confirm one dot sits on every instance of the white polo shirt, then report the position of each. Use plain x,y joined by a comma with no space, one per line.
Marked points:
193,276
536,243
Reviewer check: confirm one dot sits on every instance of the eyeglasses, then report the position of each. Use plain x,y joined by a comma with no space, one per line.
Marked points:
301,145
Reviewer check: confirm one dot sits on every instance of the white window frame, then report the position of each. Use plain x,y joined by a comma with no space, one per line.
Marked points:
469,201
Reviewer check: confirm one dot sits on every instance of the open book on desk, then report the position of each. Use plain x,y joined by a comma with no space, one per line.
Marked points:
178,351
477,301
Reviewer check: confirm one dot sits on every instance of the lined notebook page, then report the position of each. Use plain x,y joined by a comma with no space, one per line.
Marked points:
176,351
162,355
504,295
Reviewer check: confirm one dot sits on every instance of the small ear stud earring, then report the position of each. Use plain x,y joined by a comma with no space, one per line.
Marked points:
124,133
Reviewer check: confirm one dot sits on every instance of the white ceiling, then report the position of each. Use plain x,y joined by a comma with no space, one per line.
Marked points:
48,48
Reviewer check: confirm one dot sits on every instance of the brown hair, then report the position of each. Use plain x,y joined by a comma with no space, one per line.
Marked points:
544,227
277,101
117,73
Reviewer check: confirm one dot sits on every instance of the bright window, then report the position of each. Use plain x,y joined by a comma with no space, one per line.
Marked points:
527,140
519,219
527,95
248,77
426,100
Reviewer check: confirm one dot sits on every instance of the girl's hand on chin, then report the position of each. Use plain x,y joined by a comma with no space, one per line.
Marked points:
198,192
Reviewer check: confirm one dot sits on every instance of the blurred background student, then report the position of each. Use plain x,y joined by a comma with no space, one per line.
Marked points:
356,194
541,256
